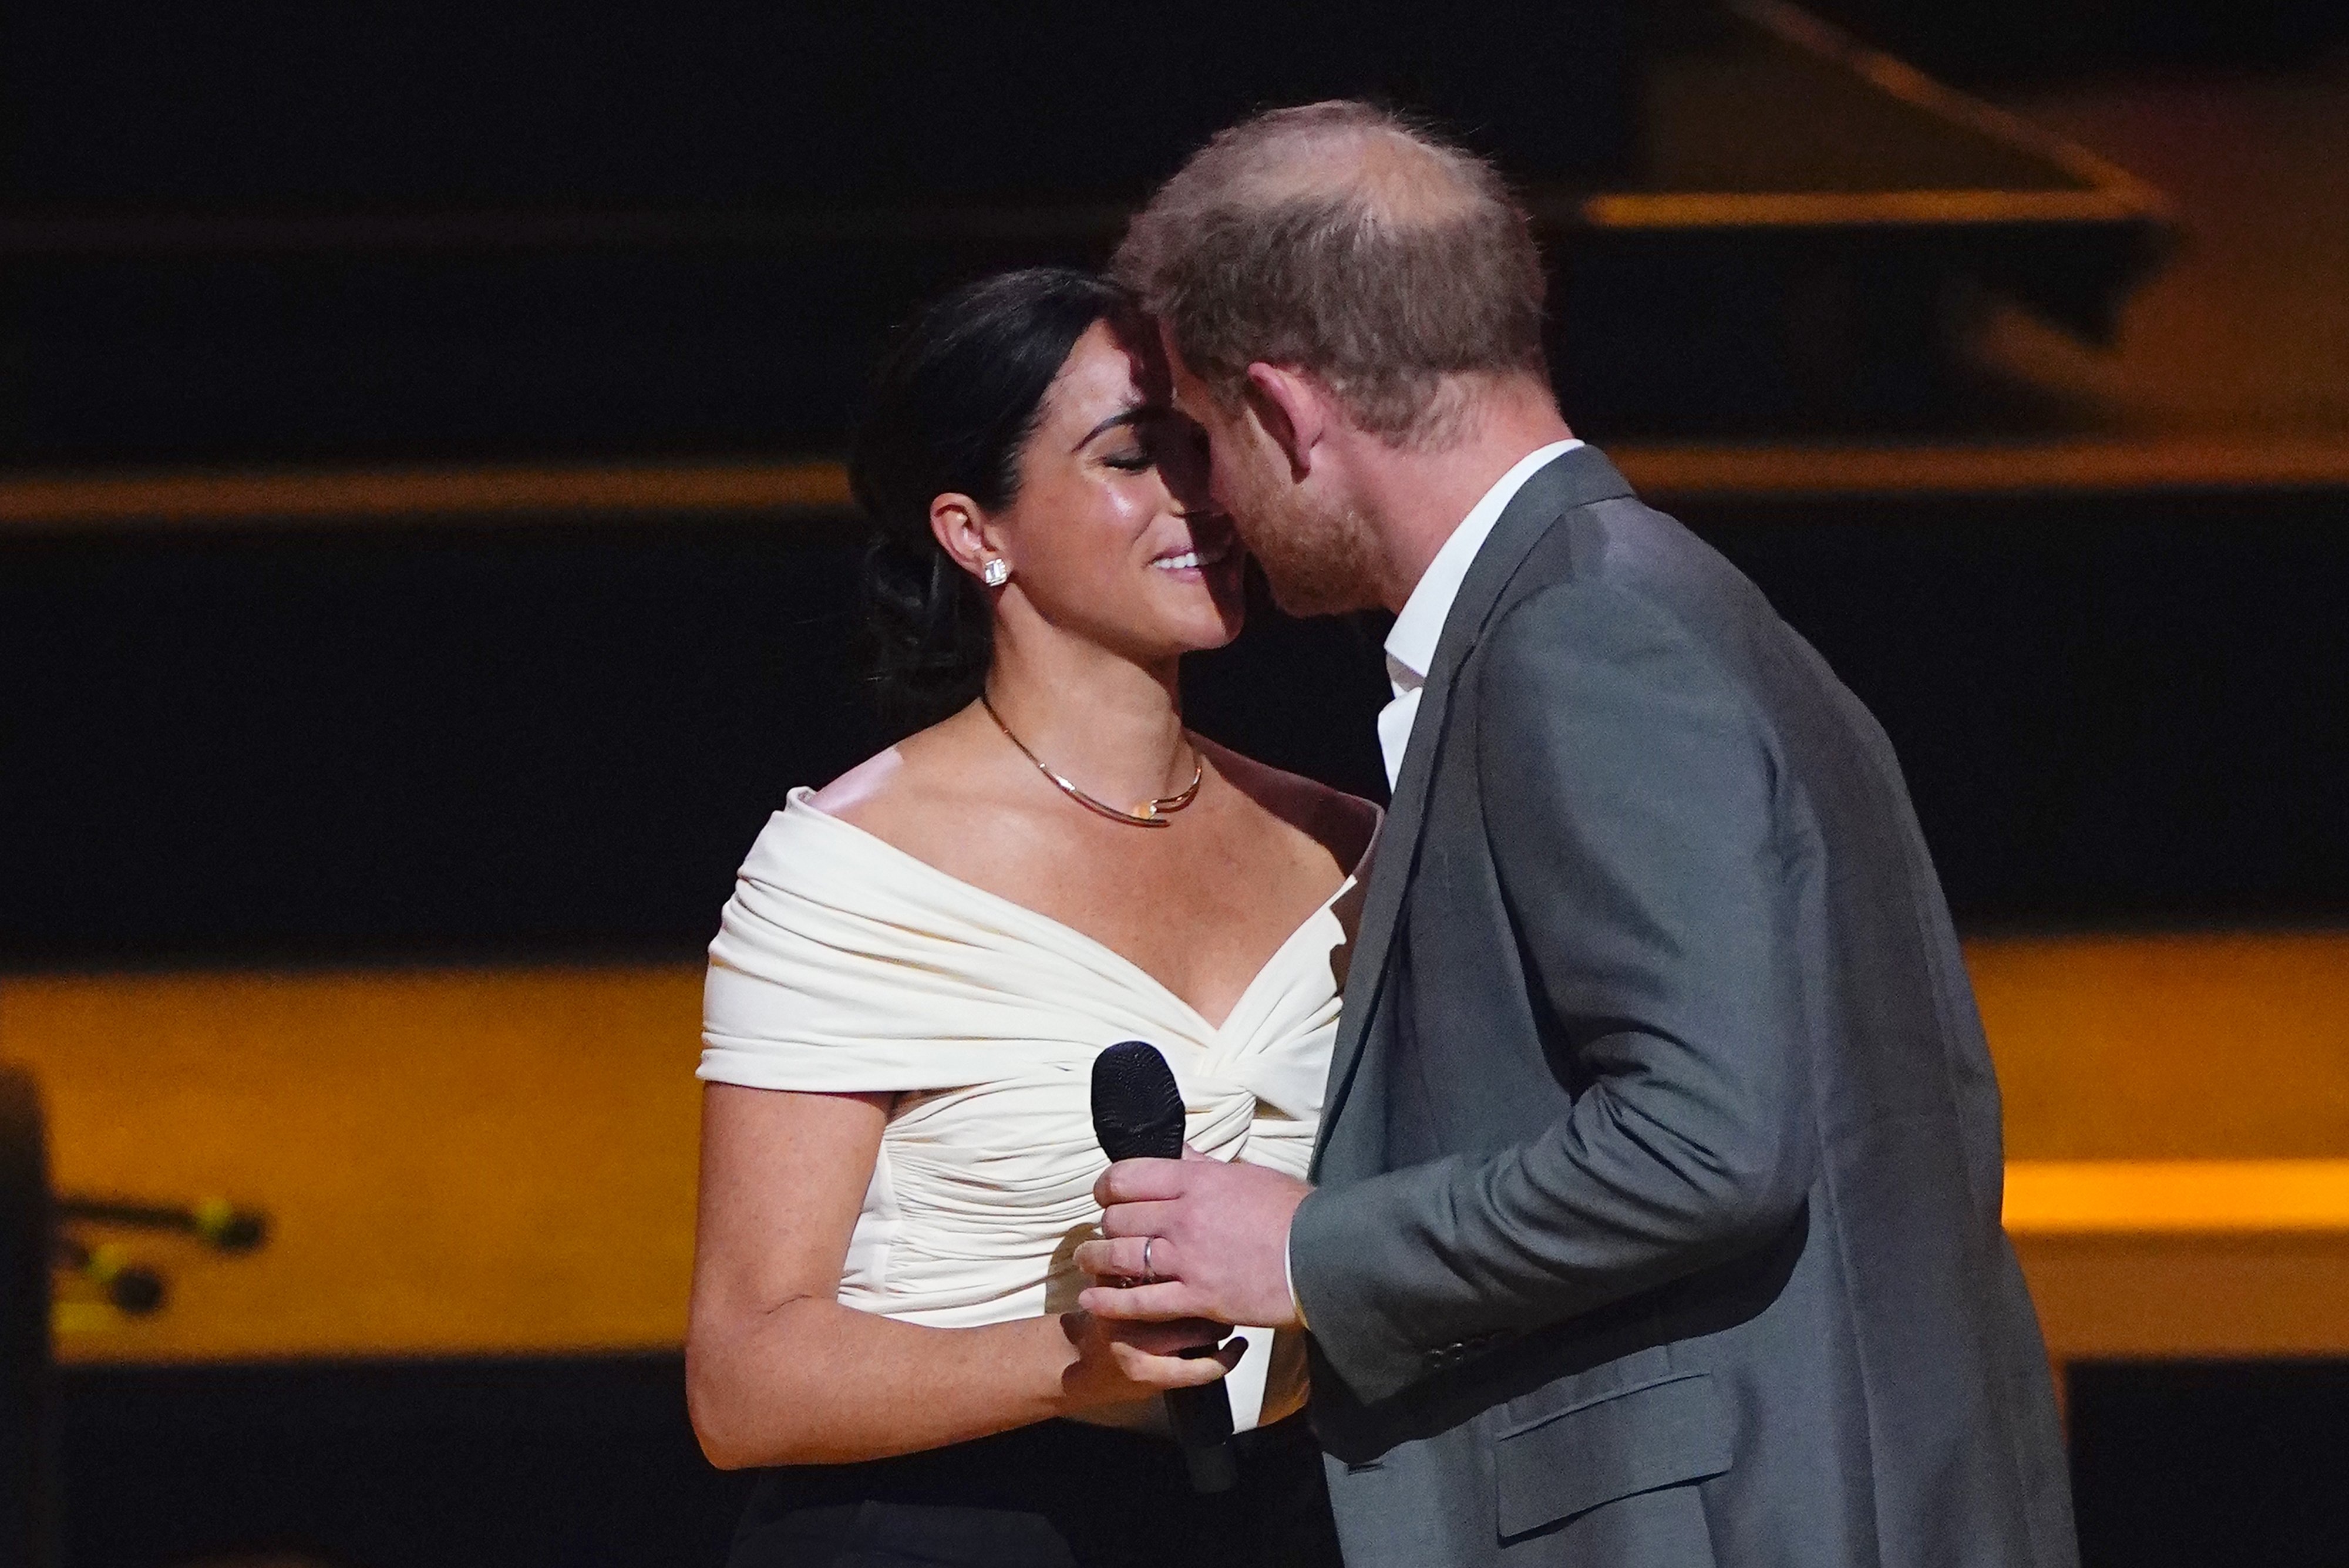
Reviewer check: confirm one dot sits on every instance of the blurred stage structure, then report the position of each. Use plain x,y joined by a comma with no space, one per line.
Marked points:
499,1161
423,564
486,1167
218,253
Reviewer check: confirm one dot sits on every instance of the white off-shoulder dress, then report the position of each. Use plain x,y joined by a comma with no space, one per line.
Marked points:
845,965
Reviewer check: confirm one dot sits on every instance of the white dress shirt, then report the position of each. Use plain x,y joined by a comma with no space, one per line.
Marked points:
1411,645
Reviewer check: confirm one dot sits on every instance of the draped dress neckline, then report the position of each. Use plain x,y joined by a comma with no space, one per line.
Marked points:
845,964
1012,911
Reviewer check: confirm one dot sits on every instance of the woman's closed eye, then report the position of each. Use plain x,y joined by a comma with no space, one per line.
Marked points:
1137,460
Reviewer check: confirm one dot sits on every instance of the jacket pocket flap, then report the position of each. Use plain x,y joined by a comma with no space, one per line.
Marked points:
1656,1434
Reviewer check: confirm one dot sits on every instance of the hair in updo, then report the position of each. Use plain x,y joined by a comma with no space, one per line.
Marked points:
952,406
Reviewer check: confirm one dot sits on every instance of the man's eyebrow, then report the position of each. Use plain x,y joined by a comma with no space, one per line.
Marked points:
1133,415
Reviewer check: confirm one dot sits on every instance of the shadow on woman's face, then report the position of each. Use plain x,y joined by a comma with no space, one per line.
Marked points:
1113,538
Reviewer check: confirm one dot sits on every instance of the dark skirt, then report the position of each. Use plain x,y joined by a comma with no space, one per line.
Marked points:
1057,1495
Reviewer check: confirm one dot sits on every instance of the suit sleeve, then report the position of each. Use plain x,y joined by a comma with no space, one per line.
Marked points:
1628,798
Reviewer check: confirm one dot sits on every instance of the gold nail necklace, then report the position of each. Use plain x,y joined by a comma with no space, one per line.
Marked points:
1150,813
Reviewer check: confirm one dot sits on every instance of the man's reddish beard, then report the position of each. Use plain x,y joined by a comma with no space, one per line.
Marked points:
1319,558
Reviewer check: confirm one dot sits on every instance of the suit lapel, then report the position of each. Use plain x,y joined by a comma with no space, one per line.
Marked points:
1578,478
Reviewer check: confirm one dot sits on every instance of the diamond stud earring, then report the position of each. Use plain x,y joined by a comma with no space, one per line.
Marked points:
996,573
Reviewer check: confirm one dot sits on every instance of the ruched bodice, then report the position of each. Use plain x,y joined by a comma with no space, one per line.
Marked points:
845,965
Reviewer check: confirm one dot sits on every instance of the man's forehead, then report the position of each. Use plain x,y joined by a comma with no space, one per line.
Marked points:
1185,383
1168,346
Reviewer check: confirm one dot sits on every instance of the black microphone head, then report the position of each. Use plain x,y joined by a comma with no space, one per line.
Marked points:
1137,1108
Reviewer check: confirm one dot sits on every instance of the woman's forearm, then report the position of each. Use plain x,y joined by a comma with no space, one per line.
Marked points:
813,1382
778,1372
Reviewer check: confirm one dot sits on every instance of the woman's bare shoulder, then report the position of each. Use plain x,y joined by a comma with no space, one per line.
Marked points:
1342,824
891,792
872,780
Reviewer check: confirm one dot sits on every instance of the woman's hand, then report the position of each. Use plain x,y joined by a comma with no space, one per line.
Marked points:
778,1372
1122,1363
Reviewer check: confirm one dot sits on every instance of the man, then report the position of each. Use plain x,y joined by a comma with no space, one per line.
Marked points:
1656,1206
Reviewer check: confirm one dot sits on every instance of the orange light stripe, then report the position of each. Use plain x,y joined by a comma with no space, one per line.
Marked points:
362,495
2138,1197
39,504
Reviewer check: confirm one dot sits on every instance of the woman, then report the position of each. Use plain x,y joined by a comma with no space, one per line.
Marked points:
921,960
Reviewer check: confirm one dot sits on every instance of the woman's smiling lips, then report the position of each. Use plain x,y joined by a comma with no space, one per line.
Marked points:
1206,549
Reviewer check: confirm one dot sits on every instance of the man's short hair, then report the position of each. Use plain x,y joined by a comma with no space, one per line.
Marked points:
1349,242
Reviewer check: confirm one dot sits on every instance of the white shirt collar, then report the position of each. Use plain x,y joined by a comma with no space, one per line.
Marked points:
1411,645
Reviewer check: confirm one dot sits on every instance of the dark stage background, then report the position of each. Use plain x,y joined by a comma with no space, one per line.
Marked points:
552,740
297,239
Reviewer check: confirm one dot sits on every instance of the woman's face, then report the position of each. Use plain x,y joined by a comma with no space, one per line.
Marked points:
1111,535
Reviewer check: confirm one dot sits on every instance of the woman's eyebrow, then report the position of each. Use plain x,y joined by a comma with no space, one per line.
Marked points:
1128,416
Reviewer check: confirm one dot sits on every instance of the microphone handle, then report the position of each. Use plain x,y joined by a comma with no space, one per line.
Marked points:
1202,1419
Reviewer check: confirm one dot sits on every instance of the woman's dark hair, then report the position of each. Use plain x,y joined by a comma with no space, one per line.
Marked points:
952,405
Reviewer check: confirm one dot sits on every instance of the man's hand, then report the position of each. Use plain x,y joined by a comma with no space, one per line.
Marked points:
1217,1238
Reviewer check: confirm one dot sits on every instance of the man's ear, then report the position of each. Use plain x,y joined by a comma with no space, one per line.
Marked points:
1292,408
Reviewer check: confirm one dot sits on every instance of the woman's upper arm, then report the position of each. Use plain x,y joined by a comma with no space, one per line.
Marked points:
783,1175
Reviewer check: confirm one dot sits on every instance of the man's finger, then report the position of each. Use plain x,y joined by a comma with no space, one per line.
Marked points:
1138,1219
1123,1258
1140,1181
1141,1303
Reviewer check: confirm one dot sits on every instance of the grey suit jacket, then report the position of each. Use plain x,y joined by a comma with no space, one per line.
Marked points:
1659,1184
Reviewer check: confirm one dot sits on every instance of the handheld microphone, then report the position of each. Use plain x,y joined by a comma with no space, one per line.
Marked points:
1138,1115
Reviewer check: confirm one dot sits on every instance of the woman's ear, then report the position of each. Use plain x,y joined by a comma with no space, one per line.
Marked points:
963,531
1291,408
